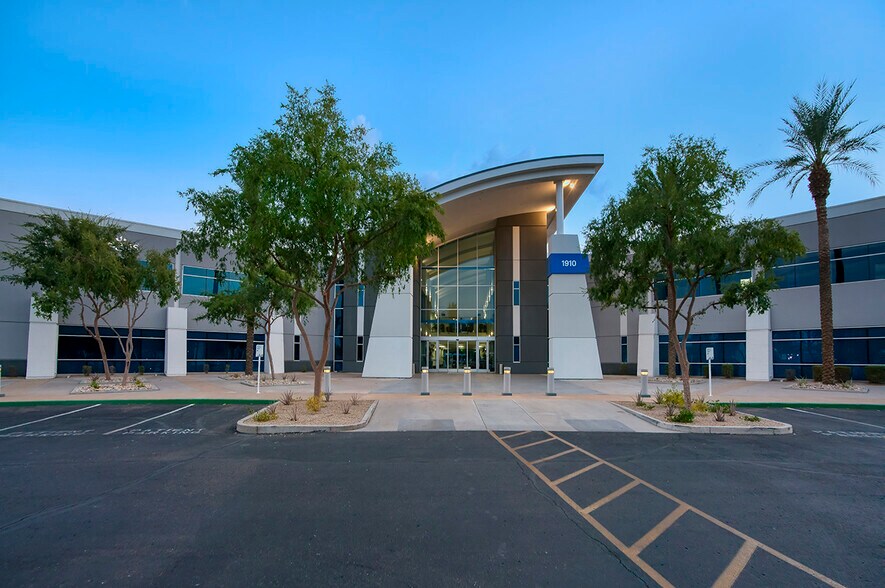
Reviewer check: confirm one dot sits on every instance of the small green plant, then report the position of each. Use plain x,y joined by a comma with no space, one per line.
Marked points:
268,414
843,373
802,382
294,416
671,409
683,416
227,368
732,408
848,384
719,415
139,383
674,397
659,396
816,373
727,371
875,374
638,400
699,405
751,417
314,404
87,370
790,375
141,369
346,408
205,368
93,383
354,398
286,398
327,396
112,369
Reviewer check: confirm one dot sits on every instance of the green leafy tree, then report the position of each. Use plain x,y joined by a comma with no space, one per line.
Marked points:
86,265
319,208
671,228
257,302
819,140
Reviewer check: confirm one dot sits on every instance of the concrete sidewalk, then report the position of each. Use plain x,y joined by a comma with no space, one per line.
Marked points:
211,386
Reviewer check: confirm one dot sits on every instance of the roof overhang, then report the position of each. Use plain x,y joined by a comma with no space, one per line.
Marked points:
473,202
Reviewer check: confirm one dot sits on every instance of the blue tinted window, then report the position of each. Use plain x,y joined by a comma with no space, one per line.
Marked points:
515,292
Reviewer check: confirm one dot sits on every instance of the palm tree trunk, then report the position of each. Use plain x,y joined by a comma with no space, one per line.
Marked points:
819,186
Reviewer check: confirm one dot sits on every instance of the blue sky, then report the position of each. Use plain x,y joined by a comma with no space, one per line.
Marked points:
115,107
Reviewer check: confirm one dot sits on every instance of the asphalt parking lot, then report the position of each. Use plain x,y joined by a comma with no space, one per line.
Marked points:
169,494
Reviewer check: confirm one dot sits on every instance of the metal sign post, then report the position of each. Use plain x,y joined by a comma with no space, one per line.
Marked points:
259,353
710,371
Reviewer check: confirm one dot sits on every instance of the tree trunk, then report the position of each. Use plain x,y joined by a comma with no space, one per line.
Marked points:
672,335
127,354
324,352
819,186
101,350
685,368
267,349
250,346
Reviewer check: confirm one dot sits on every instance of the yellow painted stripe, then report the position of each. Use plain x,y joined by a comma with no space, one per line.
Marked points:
727,578
658,529
554,456
527,445
603,501
576,474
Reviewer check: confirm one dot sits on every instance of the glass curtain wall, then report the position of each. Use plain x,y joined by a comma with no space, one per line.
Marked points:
458,305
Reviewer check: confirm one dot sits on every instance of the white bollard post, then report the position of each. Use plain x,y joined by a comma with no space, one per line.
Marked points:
507,382
643,392
327,380
467,391
258,388
425,382
551,386
710,377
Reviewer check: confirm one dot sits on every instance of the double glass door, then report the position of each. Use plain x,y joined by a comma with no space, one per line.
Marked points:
451,354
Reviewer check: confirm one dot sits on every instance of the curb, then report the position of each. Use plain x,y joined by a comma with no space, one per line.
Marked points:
786,429
137,401
244,427
810,405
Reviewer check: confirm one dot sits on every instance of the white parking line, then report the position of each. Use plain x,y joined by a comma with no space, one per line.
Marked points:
146,420
826,416
51,417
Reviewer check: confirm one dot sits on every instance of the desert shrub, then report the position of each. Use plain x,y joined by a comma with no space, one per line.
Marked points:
638,400
843,373
227,368
327,396
659,396
139,383
93,383
802,382
354,398
673,396
294,416
751,417
346,408
268,414
141,369
790,375
727,371
683,416
286,398
719,415
732,408
314,404
875,374
699,405
671,410
205,368
87,370
112,369
848,384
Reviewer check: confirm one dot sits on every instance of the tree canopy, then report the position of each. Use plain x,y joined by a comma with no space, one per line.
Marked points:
315,204
671,228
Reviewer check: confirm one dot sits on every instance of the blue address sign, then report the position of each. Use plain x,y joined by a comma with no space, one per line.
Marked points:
568,263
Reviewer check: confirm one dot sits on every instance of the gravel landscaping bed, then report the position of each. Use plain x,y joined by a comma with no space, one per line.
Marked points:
674,381
283,380
330,413
114,386
701,419
845,387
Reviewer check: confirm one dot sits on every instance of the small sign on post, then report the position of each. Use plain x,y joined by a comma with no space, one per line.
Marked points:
259,353
710,371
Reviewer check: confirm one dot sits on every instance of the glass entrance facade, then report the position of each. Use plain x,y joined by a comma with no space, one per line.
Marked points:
458,305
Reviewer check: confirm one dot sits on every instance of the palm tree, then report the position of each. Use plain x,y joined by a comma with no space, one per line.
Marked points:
819,139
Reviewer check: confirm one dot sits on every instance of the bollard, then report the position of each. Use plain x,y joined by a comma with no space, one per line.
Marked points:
507,382
467,391
425,382
327,380
643,393
551,386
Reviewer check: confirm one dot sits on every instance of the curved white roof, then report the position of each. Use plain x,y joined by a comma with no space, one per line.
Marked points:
472,203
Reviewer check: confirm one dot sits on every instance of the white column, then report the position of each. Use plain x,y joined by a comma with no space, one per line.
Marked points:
276,347
176,341
759,367
560,209
389,353
42,346
572,346
647,355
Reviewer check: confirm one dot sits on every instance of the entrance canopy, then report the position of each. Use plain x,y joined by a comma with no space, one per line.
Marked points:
473,202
